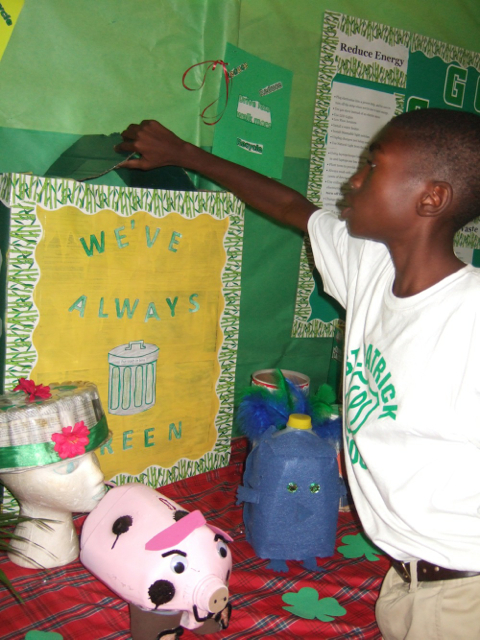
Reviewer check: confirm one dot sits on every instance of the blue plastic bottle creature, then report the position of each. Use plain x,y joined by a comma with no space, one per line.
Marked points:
291,490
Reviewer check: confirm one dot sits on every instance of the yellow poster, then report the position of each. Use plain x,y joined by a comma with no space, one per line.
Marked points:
134,293
9,12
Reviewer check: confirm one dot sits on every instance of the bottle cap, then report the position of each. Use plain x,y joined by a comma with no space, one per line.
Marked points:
299,421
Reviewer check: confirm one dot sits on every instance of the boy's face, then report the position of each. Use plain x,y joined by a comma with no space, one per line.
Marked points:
382,201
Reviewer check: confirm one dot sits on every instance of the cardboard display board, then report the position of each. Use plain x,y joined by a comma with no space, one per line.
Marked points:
137,291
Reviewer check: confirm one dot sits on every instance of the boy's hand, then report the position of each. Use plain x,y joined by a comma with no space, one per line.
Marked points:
157,146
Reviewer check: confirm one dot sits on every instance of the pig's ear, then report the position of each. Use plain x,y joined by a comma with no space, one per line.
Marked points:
179,514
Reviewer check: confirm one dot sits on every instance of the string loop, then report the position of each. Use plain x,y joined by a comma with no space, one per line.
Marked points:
212,64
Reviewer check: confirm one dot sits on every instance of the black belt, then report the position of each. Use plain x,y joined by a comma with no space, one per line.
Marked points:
427,572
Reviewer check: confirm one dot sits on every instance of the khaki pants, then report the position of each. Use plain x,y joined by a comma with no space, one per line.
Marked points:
443,610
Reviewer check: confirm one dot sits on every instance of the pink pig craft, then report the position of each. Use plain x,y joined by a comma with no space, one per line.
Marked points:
161,559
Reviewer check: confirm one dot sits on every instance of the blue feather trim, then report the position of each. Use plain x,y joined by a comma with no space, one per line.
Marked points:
260,408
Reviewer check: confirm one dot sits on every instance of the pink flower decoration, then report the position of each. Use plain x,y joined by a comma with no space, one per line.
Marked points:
71,442
33,390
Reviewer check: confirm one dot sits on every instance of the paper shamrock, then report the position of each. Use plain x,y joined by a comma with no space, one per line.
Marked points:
359,545
43,635
305,604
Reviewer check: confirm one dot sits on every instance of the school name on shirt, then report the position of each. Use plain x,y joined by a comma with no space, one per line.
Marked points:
369,393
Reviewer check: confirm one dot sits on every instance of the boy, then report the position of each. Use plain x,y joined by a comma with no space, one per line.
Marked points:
412,388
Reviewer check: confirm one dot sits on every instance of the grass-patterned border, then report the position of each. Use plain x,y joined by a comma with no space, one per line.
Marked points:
327,71
468,238
329,67
350,26
155,476
302,327
22,193
373,72
447,52
23,275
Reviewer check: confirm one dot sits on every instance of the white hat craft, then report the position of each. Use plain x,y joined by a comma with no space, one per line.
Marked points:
42,425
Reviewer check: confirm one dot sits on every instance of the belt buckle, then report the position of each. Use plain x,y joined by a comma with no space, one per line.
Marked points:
406,571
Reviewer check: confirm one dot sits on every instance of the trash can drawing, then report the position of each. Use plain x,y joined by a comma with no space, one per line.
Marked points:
132,378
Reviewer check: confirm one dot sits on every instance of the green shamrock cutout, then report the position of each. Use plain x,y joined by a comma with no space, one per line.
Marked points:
359,545
305,604
43,635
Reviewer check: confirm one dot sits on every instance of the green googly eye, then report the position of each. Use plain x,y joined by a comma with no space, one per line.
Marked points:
291,487
314,487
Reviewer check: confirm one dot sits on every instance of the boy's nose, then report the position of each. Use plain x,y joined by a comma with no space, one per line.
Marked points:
355,182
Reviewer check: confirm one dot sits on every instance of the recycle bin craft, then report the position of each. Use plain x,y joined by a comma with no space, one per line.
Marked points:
48,437
291,490
159,558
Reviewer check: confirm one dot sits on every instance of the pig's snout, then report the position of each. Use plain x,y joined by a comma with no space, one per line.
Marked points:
211,594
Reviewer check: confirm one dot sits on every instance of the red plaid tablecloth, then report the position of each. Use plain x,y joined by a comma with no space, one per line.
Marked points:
71,602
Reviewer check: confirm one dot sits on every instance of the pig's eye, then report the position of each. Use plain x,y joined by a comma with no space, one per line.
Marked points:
178,564
221,549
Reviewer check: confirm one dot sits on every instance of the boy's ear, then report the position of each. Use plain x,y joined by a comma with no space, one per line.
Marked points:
436,198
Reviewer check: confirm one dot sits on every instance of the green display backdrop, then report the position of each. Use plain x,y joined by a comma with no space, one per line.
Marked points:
76,73
368,73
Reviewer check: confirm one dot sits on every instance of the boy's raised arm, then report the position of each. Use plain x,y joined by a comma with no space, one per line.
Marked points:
159,147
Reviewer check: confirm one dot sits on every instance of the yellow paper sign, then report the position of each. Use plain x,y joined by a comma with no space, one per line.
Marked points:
9,12
142,302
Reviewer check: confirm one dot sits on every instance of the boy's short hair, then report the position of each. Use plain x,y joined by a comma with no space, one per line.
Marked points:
449,150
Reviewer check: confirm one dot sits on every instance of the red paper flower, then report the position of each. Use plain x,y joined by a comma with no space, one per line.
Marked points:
71,442
33,390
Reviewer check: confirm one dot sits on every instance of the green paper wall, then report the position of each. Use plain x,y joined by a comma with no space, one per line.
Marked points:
90,68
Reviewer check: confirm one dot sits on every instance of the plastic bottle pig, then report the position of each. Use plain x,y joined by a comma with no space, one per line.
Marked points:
159,558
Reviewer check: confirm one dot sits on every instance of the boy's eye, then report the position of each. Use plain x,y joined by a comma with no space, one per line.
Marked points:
371,164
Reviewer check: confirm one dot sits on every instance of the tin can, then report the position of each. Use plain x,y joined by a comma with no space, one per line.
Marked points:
266,378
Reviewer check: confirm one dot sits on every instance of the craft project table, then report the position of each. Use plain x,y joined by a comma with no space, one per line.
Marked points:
339,599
